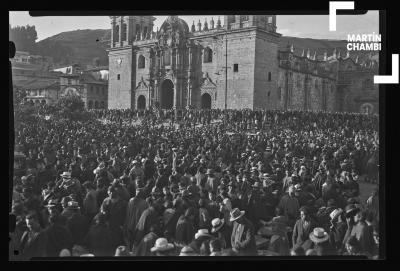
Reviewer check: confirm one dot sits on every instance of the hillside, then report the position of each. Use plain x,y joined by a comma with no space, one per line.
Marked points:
80,46
83,46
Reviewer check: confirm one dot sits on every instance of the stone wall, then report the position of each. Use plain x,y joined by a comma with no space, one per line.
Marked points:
266,62
120,91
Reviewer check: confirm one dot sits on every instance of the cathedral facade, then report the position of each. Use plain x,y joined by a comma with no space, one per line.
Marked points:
235,66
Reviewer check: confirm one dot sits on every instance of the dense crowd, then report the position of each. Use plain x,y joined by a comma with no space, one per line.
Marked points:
219,182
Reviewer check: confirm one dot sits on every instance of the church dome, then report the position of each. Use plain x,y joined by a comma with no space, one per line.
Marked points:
174,24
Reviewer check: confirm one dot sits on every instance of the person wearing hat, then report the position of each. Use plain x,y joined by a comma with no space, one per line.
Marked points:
243,234
188,251
337,229
350,211
201,237
162,247
77,223
254,207
322,246
212,183
222,232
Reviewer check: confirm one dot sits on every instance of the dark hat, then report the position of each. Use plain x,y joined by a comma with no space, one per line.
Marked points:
351,210
236,214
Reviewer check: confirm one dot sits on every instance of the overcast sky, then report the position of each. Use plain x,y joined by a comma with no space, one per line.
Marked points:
305,26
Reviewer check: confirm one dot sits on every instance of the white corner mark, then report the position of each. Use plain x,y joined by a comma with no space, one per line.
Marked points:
390,79
335,5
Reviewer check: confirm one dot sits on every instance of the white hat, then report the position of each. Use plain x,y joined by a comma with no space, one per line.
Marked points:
217,224
201,232
236,214
162,245
65,253
319,235
335,213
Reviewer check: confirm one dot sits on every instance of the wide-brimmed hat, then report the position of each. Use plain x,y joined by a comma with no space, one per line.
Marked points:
217,224
202,232
297,187
335,213
66,175
73,205
351,210
319,235
162,245
187,251
236,214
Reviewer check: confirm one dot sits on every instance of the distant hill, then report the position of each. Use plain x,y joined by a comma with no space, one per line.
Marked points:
82,46
79,46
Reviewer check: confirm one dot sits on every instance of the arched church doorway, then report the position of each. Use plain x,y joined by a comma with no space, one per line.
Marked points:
206,101
167,94
141,103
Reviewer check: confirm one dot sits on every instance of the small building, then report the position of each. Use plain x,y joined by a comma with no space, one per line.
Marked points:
42,90
70,69
94,92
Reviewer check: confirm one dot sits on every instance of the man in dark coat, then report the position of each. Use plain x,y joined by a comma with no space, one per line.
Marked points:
143,249
77,224
135,209
243,234
149,217
114,207
58,236
185,230
34,240
99,238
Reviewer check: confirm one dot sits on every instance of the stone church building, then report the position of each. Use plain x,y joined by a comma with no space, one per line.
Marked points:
235,66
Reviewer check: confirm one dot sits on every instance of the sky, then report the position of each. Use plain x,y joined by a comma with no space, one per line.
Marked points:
305,26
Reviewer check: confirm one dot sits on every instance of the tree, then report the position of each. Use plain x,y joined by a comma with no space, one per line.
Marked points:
24,38
71,103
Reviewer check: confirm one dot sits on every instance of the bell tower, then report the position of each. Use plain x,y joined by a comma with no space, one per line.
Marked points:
124,31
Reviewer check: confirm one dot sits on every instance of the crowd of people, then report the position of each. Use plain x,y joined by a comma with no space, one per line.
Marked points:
222,183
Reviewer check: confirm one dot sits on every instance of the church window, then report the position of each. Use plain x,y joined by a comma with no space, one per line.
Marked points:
102,105
137,29
118,76
270,20
141,62
167,57
116,33
269,76
245,18
123,33
235,67
90,104
208,55
96,104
